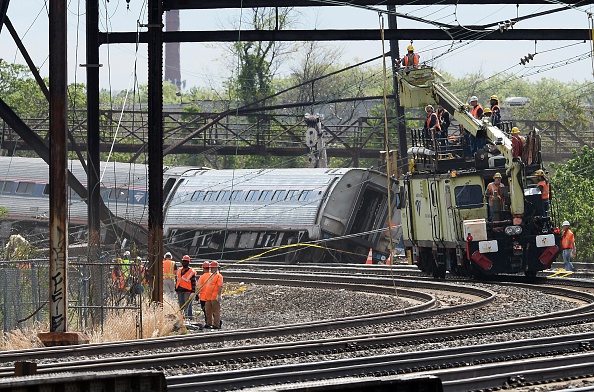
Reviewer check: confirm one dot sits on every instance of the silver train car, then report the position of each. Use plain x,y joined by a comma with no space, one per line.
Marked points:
24,192
233,213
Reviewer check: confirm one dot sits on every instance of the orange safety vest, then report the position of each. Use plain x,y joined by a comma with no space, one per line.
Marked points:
212,287
567,240
168,269
492,188
408,59
545,189
475,110
428,121
185,281
117,276
202,281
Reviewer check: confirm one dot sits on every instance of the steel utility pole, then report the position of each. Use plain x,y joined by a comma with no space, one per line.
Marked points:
155,148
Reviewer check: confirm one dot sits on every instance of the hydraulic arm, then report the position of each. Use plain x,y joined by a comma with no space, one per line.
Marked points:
425,86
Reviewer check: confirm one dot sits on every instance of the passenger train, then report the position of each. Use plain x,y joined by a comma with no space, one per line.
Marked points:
313,214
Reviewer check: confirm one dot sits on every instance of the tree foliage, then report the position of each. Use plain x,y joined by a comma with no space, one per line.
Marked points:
573,192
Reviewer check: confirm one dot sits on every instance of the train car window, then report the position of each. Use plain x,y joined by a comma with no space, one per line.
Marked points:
7,186
236,195
118,194
304,195
252,195
292,195
197,196
223,196
25,188
279,195
210,196
469,196
265,196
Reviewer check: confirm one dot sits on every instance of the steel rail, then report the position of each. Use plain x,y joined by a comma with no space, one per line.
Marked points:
391,364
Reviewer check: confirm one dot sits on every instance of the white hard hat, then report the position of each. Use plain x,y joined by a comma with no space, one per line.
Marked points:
566,223
168,255
473,98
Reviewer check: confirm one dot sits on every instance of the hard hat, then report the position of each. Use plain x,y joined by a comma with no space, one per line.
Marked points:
539,173
410,48
138,259
429,108
168,255
495,97
497,175
127,253
186,258
515,130
565,223
214,264
206,264
473,98
487,110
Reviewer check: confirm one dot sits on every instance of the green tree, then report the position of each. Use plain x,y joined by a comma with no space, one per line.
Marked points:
573,191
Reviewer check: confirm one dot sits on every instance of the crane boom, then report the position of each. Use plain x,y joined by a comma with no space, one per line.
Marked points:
425,86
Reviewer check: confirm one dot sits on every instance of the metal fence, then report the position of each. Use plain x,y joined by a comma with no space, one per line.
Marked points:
93,293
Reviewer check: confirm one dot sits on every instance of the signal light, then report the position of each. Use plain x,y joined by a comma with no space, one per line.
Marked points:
469,238
556,230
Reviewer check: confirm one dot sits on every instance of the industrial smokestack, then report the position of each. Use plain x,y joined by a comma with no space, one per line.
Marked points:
172,56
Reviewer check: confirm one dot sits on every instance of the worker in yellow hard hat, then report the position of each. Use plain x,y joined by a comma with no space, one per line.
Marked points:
544,187
517,143
410,59
495,111
494,197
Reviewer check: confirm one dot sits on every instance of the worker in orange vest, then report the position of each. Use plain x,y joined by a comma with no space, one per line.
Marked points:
477,112
568,246
432,128
545,190
185,286
517,143
202,281
117,276
411,59
212,295
169,269
493,194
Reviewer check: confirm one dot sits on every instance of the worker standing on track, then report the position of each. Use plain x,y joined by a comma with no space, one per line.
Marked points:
202,281
169,269
214,291
185,286
544,187
493,195
568,246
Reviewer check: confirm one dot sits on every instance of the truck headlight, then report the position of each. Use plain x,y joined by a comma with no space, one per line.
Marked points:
513,230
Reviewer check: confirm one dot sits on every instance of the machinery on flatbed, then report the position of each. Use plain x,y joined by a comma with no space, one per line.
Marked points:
446,222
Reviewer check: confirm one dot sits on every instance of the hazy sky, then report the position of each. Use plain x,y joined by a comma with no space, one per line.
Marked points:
209,64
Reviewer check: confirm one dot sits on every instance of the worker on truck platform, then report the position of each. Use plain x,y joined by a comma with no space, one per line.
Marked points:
494,196
476,110
495,111
544,187
432,128
411,59
517,143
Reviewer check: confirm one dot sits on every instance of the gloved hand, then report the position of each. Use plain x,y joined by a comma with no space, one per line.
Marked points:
219,298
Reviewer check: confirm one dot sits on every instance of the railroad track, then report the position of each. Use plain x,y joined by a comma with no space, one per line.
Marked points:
266,359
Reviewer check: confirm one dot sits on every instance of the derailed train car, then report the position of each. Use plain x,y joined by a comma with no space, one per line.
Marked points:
233,213
24,193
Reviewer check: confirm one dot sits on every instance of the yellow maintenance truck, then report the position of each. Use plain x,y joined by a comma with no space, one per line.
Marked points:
477,213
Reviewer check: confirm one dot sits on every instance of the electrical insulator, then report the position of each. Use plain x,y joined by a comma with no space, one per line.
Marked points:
526,59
